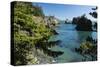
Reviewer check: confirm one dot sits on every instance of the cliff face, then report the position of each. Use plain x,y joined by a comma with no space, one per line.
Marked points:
51,21
29,28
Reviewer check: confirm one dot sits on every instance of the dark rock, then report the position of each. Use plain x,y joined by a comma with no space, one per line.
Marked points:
83,24
52,53
54,32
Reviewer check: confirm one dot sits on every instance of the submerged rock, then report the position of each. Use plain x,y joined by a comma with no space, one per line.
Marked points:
52,53
54,32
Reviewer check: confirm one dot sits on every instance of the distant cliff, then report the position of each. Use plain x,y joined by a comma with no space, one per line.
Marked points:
51,21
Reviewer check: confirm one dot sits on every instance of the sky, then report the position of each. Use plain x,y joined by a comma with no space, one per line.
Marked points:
65,11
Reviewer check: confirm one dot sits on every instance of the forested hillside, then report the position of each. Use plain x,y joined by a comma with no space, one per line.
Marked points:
29,28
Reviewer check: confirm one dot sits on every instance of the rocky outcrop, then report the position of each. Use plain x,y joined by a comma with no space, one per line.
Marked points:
82,23
51,21
75,20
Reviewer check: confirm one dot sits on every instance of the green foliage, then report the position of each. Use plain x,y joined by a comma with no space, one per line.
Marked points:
88,48
27,32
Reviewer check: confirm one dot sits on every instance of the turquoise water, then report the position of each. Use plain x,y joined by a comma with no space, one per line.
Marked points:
70,39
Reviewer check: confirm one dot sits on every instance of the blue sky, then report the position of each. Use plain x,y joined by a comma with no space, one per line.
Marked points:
63,11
